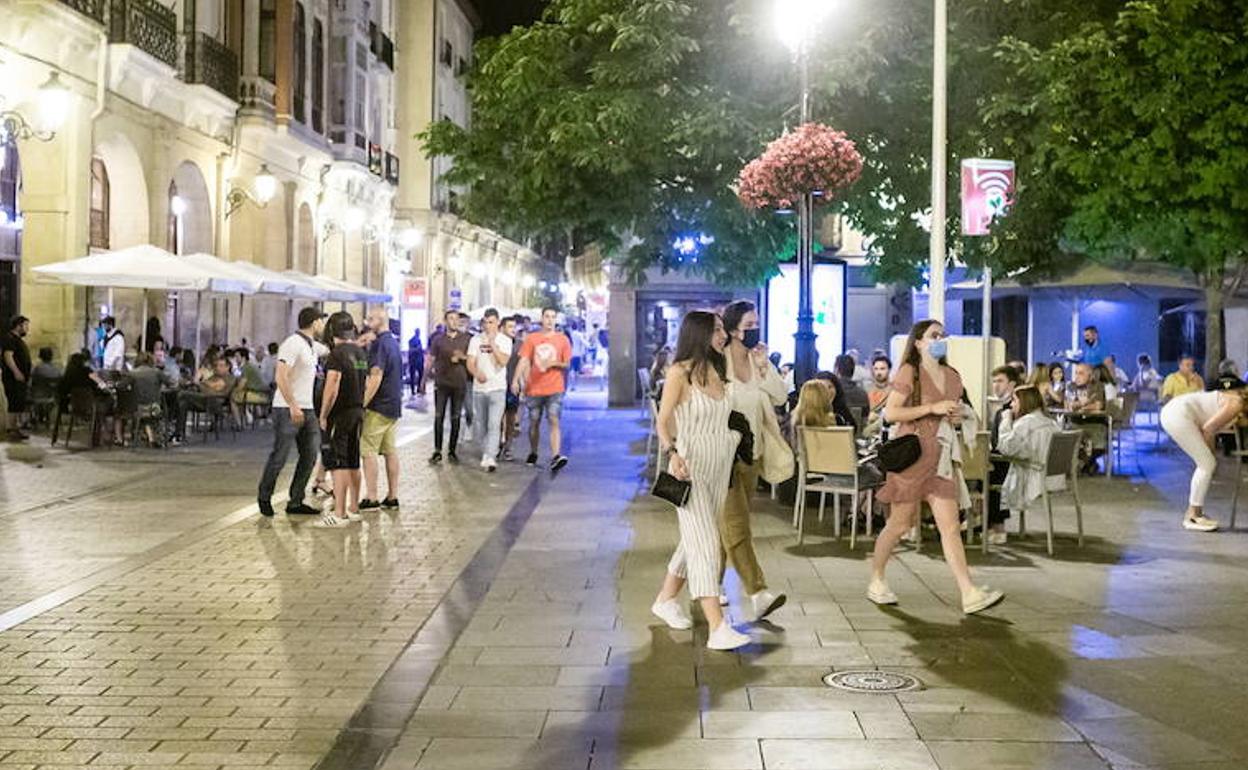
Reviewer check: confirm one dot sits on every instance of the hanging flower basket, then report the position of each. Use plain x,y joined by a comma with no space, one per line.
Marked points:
813,158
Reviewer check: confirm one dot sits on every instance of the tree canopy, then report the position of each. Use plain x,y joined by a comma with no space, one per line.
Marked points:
625,122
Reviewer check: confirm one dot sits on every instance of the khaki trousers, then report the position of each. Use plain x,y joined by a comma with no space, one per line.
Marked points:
736,541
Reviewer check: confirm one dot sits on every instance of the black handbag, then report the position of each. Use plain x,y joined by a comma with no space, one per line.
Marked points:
897,454
673,490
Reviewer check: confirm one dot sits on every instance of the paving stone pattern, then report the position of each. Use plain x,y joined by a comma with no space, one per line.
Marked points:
254,645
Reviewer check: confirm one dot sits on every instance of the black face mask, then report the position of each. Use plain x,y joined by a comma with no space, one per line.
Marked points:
751,338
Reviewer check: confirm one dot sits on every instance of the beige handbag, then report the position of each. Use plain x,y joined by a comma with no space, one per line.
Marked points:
778,463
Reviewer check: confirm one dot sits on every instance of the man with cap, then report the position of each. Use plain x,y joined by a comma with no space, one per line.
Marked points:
294,418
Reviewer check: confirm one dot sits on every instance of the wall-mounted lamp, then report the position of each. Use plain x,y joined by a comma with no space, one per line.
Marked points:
265,188
409,238
177,205
528,281
53,105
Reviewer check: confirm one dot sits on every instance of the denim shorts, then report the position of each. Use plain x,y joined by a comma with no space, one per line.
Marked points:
552,405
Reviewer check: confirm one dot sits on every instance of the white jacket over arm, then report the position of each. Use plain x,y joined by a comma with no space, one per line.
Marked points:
1026,440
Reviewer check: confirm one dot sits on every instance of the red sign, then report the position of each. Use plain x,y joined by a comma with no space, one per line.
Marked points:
415,294
987,192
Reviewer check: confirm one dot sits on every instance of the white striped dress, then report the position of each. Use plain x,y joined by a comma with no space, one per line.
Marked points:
707,446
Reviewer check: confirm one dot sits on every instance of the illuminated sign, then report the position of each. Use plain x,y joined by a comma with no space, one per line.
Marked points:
987,192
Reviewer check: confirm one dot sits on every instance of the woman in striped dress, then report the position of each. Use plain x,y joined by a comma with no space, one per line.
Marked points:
693,426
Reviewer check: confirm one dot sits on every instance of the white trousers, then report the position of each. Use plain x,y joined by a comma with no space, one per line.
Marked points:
1187,432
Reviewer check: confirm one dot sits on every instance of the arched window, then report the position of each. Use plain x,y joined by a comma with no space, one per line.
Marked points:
99,204
301,64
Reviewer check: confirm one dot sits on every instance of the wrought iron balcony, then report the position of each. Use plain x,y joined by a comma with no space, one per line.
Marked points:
210,63
147,25
93,8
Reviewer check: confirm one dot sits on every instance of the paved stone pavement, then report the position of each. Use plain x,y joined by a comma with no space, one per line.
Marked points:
514,609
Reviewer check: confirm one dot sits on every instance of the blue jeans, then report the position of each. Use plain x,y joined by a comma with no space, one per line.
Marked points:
488,420
286,435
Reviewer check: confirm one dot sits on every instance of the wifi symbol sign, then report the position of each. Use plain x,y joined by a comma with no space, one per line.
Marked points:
987,192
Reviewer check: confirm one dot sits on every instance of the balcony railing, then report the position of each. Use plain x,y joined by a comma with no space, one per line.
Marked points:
93,8
210,63
147,25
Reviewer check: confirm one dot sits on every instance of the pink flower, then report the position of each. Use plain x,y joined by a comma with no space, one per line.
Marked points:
812,158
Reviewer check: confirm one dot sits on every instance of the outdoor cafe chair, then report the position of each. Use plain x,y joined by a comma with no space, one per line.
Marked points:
831,455
84,404
1123,422
1061,476
977,466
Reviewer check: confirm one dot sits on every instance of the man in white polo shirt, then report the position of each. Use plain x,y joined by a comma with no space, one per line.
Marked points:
294,418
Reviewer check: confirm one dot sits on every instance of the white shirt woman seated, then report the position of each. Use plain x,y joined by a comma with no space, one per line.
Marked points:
1024,437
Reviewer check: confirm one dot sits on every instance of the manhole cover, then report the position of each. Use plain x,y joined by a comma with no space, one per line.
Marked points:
872,681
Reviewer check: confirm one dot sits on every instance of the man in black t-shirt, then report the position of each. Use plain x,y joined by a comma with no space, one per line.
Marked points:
342,418
16,372
450,379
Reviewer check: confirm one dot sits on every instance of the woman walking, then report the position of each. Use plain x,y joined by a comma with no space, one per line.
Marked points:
756,390
927,393
693,425
1194,420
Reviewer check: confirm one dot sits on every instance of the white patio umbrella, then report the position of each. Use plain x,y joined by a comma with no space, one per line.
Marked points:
144,267
342,291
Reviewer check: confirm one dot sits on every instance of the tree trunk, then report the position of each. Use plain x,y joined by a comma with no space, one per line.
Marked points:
1215,339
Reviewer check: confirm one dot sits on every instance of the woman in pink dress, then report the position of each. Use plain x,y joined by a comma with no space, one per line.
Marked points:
926,392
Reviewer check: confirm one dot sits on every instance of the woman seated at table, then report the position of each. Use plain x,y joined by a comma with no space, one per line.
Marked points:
1023,438
1194,420
217,386
1050,380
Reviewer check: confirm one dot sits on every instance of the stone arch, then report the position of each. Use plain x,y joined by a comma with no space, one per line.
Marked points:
194,224
129,220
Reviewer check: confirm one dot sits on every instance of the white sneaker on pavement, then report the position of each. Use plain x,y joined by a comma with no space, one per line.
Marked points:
723,599
879,592
979,599
997,538
329,520
673,614
765,603
726,638
1200,523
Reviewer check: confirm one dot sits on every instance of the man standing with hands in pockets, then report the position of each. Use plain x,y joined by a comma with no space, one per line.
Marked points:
488,354
294,421
544,359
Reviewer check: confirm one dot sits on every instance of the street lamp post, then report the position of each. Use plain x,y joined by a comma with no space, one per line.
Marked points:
796,21
806,359
937,251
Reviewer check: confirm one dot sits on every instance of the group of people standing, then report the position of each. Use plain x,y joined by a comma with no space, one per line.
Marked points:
339,398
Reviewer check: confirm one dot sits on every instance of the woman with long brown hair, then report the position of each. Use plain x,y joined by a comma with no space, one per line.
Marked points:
693,425
926,393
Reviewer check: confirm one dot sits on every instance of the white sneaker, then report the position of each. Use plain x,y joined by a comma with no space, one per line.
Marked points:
489,464
997,538
1200,523
329,521
723,599
879,592
674,615
979,599
353,516
726,638
765,603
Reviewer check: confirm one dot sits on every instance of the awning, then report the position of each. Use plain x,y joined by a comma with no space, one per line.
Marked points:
143,267
342,291
292,286
1094,281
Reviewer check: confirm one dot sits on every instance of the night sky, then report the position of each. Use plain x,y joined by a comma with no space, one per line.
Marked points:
501,15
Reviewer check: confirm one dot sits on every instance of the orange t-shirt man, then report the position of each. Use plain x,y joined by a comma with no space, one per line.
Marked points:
542,349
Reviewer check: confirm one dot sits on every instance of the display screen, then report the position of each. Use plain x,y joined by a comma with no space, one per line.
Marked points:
828,302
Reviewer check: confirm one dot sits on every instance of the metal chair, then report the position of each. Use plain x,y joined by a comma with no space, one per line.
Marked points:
831,454
42,398
1061,476
977,466
83,404
1122,422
